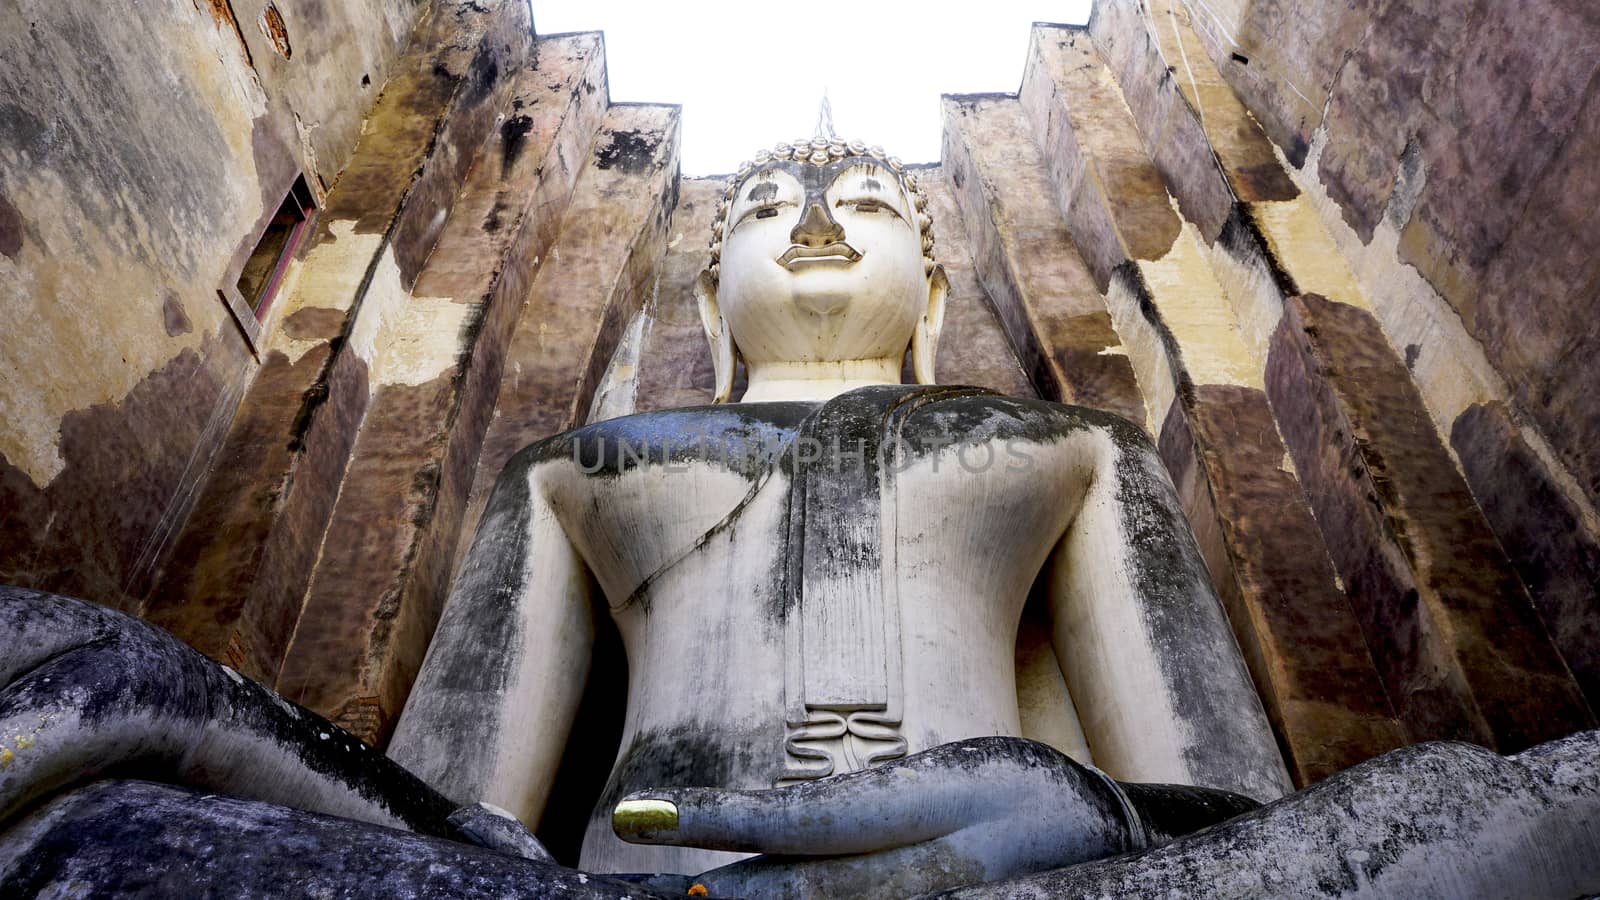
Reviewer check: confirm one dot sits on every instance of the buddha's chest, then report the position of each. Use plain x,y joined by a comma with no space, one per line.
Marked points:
828,601
944,530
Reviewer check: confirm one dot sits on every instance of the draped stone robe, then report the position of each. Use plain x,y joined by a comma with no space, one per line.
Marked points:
808,589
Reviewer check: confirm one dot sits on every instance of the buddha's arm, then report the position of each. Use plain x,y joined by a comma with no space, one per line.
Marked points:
490,712
1160,687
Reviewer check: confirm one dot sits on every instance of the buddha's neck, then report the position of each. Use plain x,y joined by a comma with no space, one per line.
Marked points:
817,381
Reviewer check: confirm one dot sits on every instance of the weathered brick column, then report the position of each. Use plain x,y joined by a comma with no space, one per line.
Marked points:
973,347
601,270
1462,651
1205,390
1543,531
1044,295
241,564
1268,240
1460,149
675,361
383,570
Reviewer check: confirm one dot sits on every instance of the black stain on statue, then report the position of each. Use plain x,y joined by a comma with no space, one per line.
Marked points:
679,756
632,152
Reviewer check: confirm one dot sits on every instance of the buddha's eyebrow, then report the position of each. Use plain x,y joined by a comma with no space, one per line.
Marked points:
864,180
766,190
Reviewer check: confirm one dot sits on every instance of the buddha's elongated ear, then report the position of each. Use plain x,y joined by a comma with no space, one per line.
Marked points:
723,354
925,340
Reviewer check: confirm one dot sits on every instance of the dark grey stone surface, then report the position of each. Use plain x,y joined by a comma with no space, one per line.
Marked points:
87,692
1441,820
961,813
134,838
490,826
90,697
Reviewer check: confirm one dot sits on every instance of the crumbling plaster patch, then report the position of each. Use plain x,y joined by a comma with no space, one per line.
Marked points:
1189,298
407,340
330,278
423,341
384,299
1151,367
1298,240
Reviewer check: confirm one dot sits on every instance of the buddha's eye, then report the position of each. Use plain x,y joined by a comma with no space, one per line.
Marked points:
764,211
866,204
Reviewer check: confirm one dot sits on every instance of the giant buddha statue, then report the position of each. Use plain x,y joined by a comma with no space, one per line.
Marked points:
830,573
819,590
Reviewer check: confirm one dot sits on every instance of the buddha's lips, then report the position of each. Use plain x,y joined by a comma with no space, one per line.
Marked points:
836,250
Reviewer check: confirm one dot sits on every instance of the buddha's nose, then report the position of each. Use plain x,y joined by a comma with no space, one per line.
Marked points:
816,228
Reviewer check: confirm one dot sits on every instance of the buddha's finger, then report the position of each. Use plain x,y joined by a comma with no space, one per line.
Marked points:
996,849
922,868
900,803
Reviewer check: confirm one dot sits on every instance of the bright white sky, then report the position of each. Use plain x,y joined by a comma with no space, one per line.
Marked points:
751,74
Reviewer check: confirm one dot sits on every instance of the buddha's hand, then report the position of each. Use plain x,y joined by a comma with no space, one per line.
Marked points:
961,813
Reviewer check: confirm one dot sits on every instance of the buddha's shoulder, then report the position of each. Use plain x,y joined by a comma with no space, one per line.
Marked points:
975,415
729,433
660,435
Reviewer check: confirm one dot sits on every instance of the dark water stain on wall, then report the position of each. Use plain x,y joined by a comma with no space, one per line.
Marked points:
631,151
1556,555
514,135
71,536
10,229
314,323
173,317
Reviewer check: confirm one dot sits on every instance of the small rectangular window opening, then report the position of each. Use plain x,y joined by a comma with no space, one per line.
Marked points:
1241,59
263,272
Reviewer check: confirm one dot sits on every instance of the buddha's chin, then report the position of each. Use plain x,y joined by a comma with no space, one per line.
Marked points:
823,303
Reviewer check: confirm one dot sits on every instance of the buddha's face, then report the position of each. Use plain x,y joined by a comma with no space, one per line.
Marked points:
822,263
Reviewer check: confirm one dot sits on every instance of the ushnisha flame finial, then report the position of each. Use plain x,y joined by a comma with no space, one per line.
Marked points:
824,127
820,151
